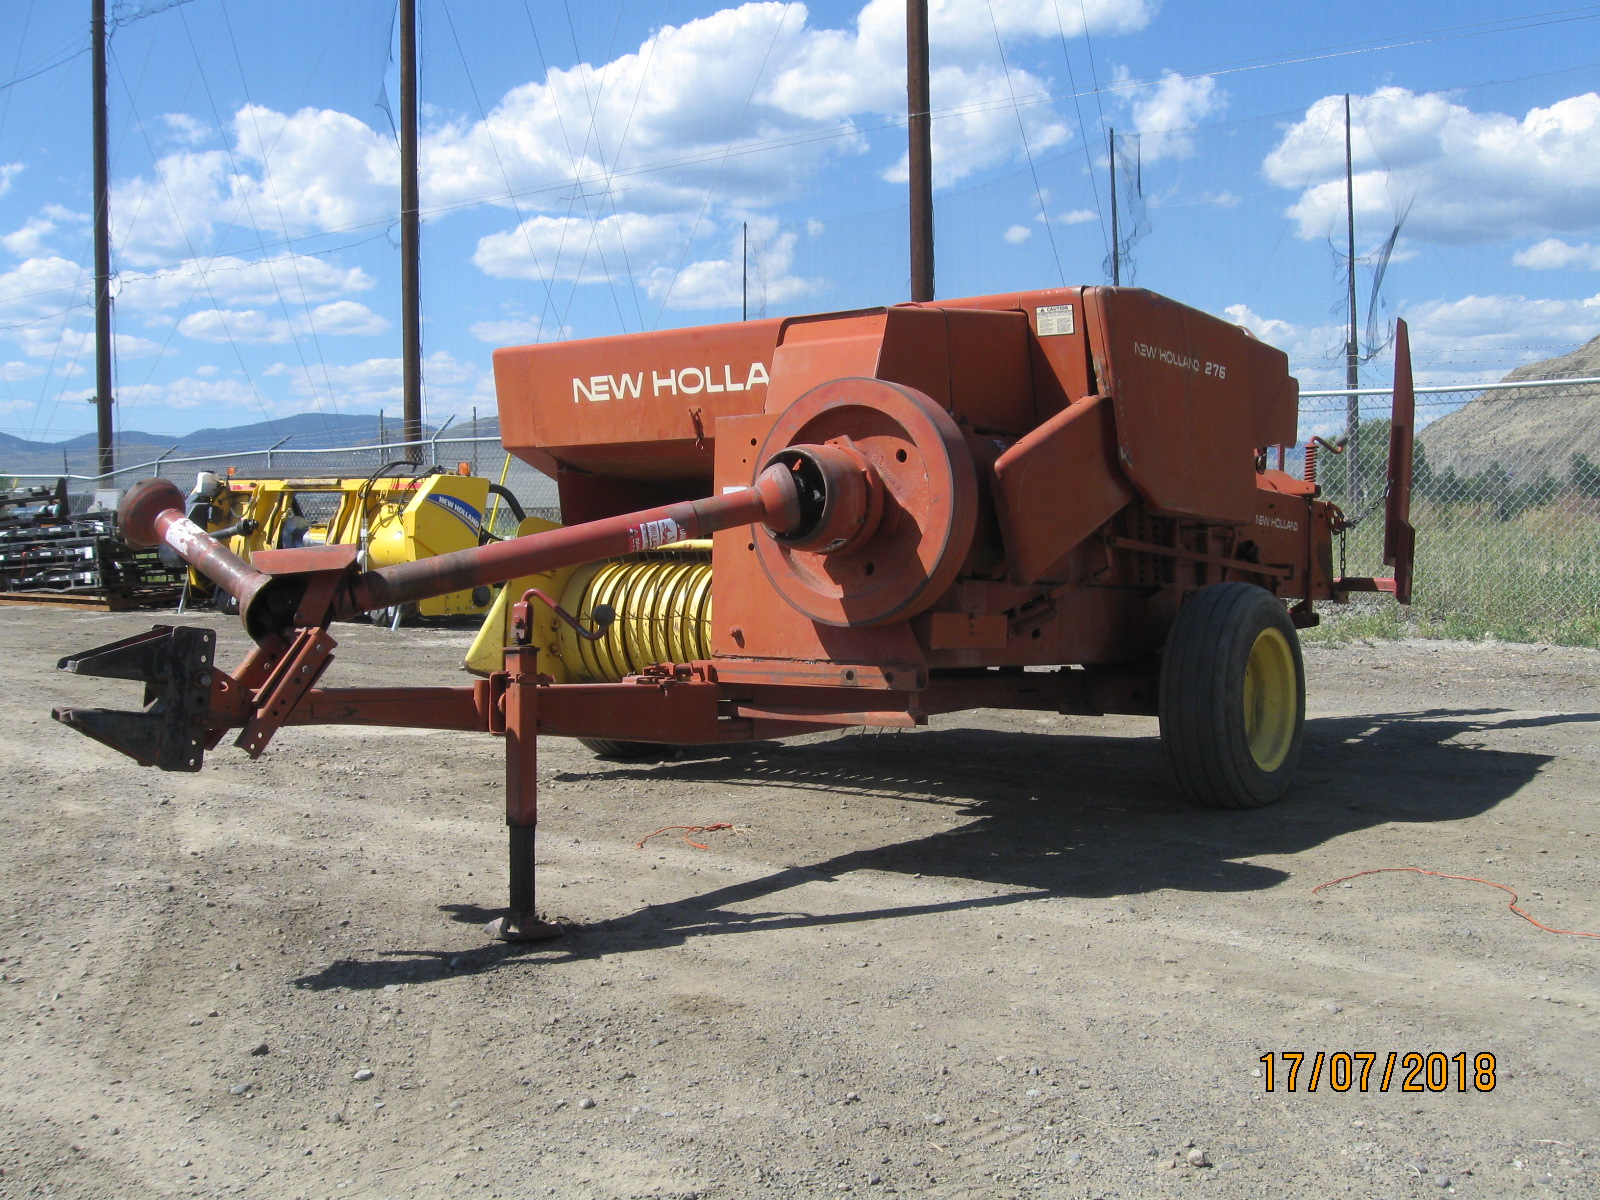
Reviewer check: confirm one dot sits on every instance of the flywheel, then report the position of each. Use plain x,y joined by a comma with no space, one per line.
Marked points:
887,537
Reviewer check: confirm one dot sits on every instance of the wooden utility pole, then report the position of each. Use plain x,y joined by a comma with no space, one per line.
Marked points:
920,157
410,238
1116,234
106,459
1352,349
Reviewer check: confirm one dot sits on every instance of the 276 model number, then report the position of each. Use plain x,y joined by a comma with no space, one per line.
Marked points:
1343,1071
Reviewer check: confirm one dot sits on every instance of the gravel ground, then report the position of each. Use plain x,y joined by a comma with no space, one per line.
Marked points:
995,957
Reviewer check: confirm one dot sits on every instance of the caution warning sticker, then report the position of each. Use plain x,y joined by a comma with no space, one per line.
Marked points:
1053,320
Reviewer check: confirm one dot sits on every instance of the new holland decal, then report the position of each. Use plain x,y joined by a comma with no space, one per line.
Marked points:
459,508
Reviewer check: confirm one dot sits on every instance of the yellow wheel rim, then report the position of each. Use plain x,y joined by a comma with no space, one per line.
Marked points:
1270,699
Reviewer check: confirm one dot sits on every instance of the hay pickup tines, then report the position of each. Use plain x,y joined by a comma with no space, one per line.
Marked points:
854,519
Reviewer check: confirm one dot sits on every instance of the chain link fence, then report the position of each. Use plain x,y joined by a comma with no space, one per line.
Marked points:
483,455
1506,501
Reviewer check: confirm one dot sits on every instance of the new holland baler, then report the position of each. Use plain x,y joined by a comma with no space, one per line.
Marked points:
1063,500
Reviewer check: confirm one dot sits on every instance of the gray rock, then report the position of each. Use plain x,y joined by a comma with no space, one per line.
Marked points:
259,1049
1073,1157
239,1089
364,1074
1441,1181
1197,1157
586,1102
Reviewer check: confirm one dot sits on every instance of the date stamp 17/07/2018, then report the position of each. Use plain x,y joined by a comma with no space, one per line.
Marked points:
1374,1071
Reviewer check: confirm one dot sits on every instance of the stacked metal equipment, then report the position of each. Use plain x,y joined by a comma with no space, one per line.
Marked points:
46,553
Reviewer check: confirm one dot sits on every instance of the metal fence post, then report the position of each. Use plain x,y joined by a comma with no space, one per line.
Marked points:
273,447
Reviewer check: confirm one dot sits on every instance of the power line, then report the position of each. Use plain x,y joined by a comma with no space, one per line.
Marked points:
60,62
722,163
593,134
1077,108
1022,131
150,10
268,180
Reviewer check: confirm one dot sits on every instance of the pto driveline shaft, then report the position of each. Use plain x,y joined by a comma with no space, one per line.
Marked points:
772,501
152,514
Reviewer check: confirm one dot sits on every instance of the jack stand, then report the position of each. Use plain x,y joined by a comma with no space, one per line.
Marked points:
522,923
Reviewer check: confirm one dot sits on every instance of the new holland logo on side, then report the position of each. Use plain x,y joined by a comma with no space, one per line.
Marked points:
684,381
459,508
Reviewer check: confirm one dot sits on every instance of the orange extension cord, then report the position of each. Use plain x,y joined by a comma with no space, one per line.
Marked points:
687,830
1469,879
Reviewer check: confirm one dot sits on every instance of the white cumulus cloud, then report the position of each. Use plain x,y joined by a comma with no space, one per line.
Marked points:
338,318
577,248
448,384
229,280
189,392
1492,333
1164,114
1553,254
733,112
286,174
720,282
1465,176
508,331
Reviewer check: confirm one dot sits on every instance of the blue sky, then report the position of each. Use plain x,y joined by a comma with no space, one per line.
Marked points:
595,168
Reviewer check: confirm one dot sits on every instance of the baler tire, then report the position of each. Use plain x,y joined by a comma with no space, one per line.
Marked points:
1232,697
625,751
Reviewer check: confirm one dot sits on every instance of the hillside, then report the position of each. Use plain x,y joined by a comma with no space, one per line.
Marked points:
1527,431
304,430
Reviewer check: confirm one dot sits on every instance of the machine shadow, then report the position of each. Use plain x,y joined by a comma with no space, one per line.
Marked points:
1054,815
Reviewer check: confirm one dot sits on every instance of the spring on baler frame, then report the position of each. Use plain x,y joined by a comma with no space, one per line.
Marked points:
663,606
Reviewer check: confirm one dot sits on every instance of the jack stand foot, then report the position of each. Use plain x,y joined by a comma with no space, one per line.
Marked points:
522,927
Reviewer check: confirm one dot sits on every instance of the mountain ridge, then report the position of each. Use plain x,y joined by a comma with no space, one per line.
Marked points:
309,430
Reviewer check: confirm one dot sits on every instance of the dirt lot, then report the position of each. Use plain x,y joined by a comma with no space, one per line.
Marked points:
997,957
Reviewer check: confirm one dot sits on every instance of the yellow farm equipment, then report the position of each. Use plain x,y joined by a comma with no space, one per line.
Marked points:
392,518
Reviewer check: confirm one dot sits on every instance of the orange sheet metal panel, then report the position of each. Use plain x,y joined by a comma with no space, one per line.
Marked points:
595,403
975,364
813,350
1056,486
1195,398
1058,352
645,406
991,372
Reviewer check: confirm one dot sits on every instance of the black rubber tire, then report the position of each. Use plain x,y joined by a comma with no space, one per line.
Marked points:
626,751
1202,705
